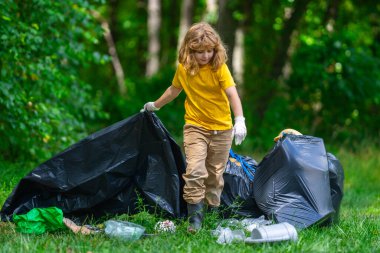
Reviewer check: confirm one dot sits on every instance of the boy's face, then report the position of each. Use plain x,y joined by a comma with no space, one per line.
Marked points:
203,57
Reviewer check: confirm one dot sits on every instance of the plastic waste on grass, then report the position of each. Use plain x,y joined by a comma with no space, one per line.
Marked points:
233,230
261,234
84,230
227,236
124,230
251,223
273,233
40,220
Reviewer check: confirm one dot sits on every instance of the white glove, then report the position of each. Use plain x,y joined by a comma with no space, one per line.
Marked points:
150,107
239,131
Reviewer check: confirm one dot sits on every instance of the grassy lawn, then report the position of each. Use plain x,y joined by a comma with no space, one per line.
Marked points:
357,231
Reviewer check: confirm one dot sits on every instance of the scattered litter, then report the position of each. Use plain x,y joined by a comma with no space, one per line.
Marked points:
49,219
84,230
94,229
233,230
273,233
39,220
165,226
124,230
251,223
227,236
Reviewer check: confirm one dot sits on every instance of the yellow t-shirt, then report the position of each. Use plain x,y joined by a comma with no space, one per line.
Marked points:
206,103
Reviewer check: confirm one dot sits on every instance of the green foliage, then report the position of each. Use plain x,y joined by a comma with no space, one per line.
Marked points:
147,89
172,115
43,103
57,84
146,220
10,174
329,70
143,218
333,88
129,30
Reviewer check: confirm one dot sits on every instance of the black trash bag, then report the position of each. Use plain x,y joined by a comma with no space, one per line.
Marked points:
106,172
292,182
237,196
336,175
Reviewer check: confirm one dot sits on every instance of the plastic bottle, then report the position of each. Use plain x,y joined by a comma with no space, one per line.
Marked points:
124,230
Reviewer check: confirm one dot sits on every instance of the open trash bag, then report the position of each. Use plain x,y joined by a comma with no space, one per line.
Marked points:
298,182
106,172
237,196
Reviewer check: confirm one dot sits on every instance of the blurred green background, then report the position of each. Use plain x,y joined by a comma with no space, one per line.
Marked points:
70,68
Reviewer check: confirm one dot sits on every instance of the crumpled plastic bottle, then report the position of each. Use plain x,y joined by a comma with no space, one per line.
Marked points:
124,230
233,230
252,223
227,236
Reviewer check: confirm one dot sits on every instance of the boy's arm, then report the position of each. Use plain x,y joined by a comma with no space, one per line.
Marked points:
170,94
240,130
235,102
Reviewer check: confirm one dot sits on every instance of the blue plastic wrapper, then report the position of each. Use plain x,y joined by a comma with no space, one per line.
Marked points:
237,196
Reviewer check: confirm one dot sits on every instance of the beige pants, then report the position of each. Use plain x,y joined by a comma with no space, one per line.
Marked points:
206,157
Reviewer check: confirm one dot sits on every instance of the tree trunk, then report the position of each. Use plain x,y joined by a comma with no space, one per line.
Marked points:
187,14
331,14
169,32
113,22
154,24
290,25
246,26
211,13
226,27
113,53
238,56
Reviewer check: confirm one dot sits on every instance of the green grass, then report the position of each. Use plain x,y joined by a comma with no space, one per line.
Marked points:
357,231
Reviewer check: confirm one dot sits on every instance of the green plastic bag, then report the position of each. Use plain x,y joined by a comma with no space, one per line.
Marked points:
39,220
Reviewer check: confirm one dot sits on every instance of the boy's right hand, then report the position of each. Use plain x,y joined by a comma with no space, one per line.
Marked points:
240,130
150,107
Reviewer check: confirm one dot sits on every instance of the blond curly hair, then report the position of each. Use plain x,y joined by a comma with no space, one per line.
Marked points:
201,36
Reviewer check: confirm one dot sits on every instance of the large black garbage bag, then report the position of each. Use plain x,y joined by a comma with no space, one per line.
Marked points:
106,172
292,182
336,175
237,196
